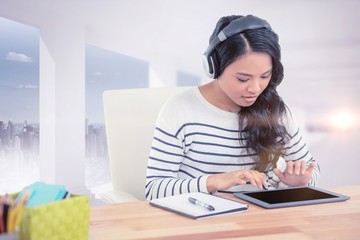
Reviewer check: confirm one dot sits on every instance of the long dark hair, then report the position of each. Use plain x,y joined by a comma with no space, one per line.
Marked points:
261,124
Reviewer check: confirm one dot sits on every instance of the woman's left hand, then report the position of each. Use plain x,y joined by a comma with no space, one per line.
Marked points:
296,173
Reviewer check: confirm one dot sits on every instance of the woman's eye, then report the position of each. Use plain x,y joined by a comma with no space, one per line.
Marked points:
243,80
265,77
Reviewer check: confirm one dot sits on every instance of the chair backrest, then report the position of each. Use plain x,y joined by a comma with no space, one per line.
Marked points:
130,116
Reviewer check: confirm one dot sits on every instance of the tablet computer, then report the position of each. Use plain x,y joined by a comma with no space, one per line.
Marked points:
288,197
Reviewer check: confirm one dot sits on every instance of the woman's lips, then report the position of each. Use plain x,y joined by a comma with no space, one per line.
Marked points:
250,98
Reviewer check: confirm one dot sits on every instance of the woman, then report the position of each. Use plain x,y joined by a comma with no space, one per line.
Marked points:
232,131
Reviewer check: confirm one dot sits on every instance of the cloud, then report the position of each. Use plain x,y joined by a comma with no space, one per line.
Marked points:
6,84
27,86
99,73
18,57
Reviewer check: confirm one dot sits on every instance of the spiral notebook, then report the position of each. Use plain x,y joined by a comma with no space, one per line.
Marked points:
181,204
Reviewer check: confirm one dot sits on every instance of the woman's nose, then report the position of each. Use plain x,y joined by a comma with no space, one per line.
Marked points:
254,86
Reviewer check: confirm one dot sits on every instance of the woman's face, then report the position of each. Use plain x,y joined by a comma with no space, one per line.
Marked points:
245,79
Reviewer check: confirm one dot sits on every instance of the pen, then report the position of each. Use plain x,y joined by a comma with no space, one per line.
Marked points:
199,203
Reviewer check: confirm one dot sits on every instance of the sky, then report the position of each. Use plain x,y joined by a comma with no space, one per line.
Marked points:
107,70
19,72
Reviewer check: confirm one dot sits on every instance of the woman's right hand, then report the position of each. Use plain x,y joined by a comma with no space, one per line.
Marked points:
223,181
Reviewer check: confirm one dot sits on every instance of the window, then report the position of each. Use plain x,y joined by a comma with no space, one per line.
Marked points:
105,70
19,105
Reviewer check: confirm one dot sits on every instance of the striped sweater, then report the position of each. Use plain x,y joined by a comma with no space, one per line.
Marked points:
194,139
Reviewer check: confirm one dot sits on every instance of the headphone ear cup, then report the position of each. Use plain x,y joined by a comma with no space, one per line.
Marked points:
208,66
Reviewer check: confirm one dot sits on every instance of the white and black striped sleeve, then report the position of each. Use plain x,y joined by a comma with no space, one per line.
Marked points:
296,149
166,156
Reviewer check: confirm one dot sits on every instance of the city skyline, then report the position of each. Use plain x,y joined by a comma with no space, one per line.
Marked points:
19,155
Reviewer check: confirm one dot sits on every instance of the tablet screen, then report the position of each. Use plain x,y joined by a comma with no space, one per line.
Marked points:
289,195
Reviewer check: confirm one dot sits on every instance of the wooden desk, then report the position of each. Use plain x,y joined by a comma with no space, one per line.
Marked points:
140,220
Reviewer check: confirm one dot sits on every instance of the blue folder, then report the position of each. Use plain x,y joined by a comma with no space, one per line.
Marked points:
43,193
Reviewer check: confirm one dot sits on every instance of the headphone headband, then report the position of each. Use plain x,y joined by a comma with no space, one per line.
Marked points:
236,26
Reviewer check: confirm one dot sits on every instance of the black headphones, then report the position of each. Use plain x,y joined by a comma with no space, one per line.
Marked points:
236,26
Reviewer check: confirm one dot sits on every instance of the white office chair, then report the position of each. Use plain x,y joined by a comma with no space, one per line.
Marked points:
130,116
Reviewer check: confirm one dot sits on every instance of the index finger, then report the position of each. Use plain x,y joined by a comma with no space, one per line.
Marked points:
289,167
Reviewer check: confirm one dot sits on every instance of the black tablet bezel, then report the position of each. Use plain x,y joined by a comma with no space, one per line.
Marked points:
335,197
